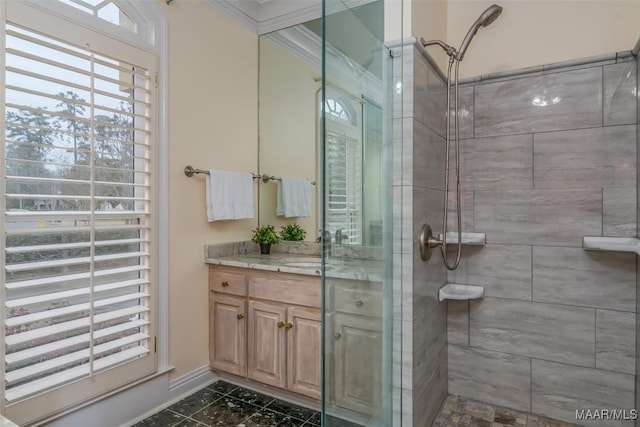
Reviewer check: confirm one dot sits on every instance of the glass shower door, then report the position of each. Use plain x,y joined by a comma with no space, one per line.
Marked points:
355,145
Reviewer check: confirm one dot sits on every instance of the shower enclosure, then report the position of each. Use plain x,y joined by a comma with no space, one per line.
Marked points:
356,136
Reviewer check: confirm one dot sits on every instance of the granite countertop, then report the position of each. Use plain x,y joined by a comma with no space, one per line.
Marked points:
301,260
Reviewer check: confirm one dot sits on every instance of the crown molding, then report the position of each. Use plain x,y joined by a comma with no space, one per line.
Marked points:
244,12
349,76
265,16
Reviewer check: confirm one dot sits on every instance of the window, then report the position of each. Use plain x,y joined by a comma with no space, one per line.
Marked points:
79,233
343,167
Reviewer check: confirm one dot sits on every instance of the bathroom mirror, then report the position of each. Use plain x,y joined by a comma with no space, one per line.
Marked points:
290,99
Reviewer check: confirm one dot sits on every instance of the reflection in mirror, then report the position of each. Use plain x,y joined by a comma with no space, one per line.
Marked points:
288,87
290,100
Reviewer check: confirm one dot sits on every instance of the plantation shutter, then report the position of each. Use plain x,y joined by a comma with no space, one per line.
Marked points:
344,184
78,220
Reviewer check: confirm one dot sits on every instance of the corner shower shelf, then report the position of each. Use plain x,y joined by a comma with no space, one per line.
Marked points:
476,239
460,292
613,244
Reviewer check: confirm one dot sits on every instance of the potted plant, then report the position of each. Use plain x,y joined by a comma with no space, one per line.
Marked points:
292,232
265,236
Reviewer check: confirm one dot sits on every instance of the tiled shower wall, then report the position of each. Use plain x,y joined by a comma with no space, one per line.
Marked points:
419,197
547,158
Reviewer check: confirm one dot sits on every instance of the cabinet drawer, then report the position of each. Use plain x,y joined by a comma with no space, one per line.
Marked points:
287,289
357,301
227,282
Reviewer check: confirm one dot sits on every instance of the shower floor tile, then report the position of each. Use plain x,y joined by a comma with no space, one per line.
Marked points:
457,411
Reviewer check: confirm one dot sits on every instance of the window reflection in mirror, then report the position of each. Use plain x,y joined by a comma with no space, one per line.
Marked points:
290,107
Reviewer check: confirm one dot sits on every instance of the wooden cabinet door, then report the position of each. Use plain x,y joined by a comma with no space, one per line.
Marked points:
266,345
357,362
227,334
304,353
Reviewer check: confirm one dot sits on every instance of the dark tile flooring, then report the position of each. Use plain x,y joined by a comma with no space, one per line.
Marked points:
227,405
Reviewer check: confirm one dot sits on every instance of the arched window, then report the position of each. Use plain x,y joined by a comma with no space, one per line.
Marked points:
343,166
80,228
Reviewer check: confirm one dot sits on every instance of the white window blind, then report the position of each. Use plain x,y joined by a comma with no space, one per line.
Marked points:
343,166
343,177
78,217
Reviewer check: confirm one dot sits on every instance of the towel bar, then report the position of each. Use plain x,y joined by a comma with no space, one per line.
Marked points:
267,178
190,171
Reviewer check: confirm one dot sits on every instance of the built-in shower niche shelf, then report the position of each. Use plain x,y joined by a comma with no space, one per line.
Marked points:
613,244
460,292
476,239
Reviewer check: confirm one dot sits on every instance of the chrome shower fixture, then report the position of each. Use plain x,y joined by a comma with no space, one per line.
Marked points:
427,240
484,20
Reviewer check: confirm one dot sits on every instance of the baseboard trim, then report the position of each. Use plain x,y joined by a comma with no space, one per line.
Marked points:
134,404
203,375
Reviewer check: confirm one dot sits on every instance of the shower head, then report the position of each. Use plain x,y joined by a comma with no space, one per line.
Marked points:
486,18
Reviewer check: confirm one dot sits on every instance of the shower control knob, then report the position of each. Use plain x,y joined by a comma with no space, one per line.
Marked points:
359,303
337,335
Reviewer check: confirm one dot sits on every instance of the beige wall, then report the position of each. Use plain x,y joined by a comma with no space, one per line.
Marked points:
213,76
429,20
537,32
288,126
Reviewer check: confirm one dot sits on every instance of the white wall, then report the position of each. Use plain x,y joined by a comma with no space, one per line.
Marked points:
213,107
538,32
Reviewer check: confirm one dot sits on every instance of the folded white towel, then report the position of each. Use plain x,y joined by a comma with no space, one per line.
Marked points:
229,195
294,198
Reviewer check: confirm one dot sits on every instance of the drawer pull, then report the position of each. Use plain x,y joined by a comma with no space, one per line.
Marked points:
225,284
359,303
337,335
289,325
240,316
280,324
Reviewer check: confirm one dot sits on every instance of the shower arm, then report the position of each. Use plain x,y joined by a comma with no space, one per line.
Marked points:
451,51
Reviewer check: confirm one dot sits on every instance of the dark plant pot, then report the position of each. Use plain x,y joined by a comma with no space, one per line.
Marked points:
265,248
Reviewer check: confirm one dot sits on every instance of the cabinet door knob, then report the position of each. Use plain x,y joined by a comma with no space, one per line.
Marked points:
280,324
359,303
240,316
337,335
225,284
289,325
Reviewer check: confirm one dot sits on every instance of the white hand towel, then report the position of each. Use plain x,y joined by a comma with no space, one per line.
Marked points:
294,198
229,195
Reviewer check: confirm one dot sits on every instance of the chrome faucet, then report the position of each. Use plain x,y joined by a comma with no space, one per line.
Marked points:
326,242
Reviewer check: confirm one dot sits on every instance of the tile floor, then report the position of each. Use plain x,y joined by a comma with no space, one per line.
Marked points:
226,405
460,412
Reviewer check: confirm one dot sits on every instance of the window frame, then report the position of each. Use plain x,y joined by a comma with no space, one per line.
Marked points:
351,128
151,37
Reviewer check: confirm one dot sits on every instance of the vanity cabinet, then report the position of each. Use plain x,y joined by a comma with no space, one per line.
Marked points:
227,322
267,343
355,346
276,340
